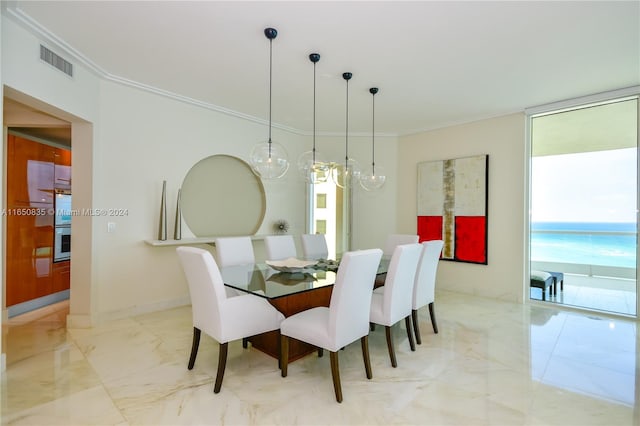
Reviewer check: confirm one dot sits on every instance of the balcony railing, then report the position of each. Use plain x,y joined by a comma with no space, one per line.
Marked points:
569,262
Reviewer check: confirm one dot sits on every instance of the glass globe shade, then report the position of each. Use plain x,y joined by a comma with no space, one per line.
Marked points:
269,160
313,171
346,177
371,181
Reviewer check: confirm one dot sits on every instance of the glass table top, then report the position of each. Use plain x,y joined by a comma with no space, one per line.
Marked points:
264,281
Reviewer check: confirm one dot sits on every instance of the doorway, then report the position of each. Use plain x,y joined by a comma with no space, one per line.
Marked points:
78,312
583,206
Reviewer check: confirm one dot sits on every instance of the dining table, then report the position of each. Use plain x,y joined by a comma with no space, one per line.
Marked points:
289,290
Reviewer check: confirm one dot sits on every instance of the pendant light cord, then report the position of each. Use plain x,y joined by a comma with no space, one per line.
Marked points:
373,136
346,133
314,114
270,85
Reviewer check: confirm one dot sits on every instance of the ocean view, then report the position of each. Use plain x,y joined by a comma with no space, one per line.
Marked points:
606,244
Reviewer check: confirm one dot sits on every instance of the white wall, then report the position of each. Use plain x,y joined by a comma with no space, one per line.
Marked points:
148,139
502,139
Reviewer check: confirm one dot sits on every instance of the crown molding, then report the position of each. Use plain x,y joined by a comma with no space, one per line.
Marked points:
51,39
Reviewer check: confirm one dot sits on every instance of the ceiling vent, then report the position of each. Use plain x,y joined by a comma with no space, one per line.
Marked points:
56,60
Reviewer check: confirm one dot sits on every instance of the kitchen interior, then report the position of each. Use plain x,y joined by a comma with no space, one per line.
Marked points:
37,209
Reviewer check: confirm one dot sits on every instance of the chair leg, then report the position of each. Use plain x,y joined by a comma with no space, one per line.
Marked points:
335,373
245,341
372,327
279,349
416,327
194,347
320,352
284,355
364,342
392,352
222,363
432,314
407,323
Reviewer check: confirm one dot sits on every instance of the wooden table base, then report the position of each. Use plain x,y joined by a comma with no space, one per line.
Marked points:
269,343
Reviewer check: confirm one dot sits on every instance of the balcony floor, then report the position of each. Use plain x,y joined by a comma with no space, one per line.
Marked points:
616,295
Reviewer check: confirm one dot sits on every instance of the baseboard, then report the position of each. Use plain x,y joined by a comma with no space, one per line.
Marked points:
34,304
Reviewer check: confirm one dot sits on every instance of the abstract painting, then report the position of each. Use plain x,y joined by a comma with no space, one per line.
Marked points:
452,206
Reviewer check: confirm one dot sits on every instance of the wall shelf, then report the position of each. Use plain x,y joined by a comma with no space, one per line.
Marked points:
191,240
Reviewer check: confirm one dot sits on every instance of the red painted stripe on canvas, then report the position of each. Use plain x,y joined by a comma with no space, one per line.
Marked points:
471,239
429,228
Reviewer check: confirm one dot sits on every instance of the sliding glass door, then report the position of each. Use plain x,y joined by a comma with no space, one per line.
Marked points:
583,206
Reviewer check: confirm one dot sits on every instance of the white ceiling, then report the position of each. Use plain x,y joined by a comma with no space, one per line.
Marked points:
436,63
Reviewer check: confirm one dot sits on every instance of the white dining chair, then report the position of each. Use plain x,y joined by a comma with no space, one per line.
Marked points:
425,284
280,247
392,302
344,321
394,240
314,246
224,319
234,251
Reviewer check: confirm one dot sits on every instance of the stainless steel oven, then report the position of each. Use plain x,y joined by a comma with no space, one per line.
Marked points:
62,243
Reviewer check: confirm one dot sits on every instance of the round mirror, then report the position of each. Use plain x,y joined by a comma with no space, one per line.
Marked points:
221,196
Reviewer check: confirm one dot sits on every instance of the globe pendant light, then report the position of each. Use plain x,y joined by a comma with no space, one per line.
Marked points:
269,159
310,166
374,178
348,173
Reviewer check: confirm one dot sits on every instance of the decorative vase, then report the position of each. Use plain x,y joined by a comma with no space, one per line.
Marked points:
162,228
177,230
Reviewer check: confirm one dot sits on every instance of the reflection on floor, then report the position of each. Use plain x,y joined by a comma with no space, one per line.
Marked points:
598,293
492,363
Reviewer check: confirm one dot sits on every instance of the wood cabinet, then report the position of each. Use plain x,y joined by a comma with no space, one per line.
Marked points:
29,213
61,276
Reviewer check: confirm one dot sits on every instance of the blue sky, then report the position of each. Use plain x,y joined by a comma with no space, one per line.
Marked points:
585,187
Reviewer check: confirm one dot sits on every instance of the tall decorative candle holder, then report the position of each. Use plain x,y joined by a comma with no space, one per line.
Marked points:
162,227
177,229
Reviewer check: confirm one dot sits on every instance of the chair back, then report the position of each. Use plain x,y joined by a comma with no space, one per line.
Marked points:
398,286
351,297
425,283
206,289
394,240
314,246
280,247
234,251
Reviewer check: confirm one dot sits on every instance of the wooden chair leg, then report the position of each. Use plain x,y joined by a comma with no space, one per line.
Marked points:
407,324
320,352
364,342
284,355
335,373
222,363
245,341
392,353
194,347
432,314
279,349
416,327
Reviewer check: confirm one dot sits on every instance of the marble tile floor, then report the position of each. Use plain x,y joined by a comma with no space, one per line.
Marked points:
493,363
